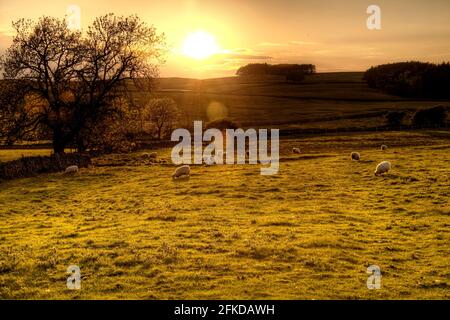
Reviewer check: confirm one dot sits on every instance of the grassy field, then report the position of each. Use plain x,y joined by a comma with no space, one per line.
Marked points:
12,154
309,232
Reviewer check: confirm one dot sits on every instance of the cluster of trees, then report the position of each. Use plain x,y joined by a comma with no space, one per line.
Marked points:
411,79
292,72
76,88
433,117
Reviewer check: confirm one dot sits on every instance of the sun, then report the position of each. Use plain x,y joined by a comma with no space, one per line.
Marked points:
200,45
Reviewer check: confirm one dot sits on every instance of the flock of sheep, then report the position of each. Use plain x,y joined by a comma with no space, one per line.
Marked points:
382,167
185,170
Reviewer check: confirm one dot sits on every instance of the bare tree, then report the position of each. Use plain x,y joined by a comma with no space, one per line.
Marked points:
162,113
16,120
76,78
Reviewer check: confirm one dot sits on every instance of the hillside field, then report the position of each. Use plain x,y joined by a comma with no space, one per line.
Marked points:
322,101
309,232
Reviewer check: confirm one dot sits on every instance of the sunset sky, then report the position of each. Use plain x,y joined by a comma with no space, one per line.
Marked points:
331,34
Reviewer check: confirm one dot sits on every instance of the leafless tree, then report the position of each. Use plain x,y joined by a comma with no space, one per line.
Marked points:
162,113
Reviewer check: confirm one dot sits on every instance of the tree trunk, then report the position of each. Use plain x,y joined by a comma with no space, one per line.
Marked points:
81,145
58,141
159,132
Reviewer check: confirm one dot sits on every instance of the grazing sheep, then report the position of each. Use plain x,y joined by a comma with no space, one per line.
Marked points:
71,169
295,150
355,156
182,171
383,147
382,167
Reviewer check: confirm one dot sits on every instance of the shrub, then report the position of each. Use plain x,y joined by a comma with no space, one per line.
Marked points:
395,118
30,166
431,117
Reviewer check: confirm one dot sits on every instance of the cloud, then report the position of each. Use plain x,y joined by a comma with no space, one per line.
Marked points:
243,54
287,44
270,44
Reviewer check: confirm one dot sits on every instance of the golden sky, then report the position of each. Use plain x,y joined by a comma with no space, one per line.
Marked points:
331,34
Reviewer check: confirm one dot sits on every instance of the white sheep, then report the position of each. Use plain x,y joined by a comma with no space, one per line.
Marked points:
295,150
71,169
182,171
384,147
382,167
355,156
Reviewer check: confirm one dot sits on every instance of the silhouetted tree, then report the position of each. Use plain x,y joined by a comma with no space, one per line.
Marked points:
162,113
70,81
254,69
17,120
288,70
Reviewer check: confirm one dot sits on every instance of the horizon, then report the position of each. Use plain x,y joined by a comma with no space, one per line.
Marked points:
211,40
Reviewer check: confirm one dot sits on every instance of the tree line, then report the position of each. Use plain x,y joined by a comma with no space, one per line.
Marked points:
432,117
293,72
411,79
